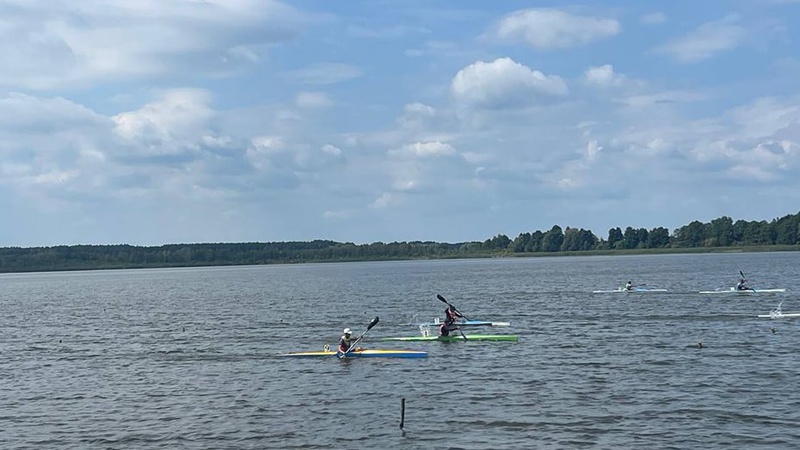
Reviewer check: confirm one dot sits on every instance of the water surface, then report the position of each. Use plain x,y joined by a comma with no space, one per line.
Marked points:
189,358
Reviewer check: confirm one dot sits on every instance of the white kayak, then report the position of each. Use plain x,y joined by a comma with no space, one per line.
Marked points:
778,314
470,323
634,290
733,290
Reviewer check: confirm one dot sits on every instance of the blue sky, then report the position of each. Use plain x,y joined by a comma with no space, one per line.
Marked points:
174,121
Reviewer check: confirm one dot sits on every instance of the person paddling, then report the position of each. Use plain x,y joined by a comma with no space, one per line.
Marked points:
449,321
346,341
628,286
742,285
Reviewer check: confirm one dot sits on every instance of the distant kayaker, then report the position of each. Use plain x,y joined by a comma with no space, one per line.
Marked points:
346,341
742,285
628,286
450,316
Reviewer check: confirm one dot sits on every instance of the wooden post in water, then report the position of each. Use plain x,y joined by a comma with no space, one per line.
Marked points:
402,412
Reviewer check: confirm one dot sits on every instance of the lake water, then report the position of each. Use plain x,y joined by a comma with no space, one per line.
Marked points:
188,358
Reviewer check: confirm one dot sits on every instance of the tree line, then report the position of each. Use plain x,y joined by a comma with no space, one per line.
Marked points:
721,232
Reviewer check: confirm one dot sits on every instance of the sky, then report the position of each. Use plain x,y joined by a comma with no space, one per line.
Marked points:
152,122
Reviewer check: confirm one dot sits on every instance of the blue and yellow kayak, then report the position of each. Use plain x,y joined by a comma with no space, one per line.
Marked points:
369,353
454,337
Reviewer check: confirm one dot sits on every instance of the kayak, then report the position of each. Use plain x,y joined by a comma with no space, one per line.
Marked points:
471,323
778,314
457,337
369,353
743,291
636,289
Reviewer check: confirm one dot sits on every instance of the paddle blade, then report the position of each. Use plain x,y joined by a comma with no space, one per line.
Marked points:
442,298
742,274
373,323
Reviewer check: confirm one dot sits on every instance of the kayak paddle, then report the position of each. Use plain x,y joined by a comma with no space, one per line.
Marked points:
744,278
448,304
353,345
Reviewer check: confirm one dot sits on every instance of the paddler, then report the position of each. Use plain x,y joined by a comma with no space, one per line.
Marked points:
742,285
450,316
628,286
346,341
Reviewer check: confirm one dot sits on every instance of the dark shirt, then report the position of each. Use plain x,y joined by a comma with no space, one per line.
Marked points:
450,316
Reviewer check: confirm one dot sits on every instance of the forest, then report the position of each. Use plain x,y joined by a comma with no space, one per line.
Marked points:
719,234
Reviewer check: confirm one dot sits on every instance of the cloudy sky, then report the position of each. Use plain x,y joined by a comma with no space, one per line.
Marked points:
170,121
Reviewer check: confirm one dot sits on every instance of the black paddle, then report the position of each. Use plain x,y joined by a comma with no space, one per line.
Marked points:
456,310
448,304
353,345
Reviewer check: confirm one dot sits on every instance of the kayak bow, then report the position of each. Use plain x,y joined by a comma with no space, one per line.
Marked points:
369,353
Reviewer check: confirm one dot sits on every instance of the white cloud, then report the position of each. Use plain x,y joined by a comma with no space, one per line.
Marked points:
427,149
313,100
552,28
603,76
417,116
593,150
765,117
332,150
178,114
386,200
706,40
46,45
419,109
503,83
326,73
576,173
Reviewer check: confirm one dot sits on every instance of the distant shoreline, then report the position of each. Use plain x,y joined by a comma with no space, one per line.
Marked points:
102,257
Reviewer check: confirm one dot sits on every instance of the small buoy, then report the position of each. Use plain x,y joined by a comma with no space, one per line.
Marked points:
699,345
773,329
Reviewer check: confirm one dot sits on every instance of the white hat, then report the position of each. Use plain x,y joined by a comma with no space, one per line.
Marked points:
347,331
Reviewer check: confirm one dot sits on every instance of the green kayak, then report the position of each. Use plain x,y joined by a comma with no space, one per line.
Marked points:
457,337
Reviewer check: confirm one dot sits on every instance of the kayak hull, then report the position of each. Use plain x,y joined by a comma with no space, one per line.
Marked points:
472,323
744,291
779,315
369,353
457,338
634,290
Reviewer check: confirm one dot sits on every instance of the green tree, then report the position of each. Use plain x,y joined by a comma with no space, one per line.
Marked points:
614,236
722,230
519,244
552,240
692,235
658,238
